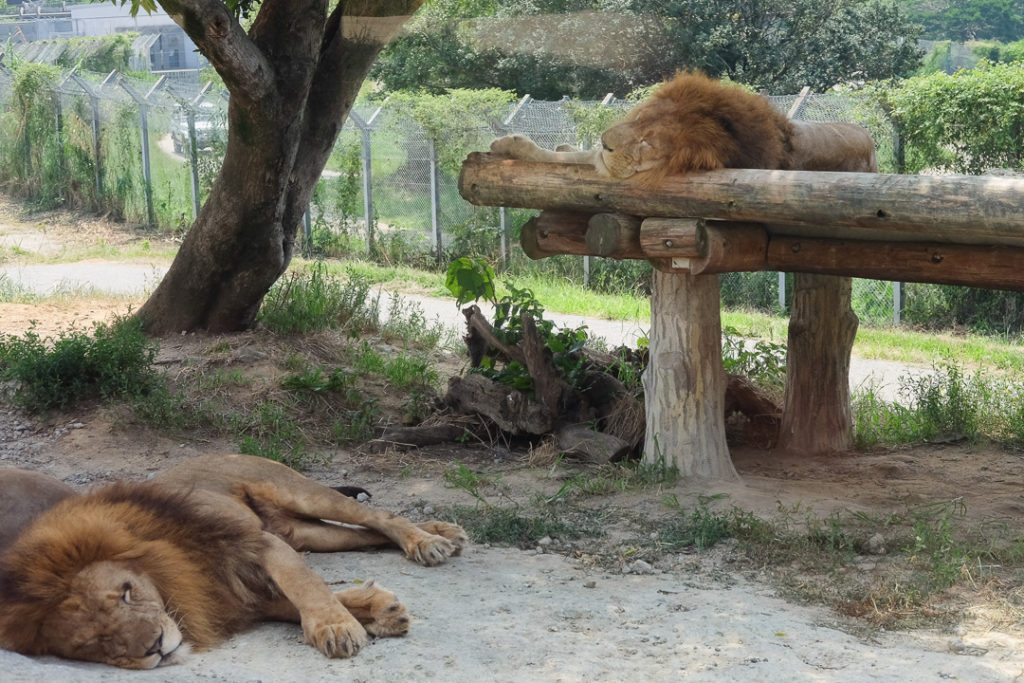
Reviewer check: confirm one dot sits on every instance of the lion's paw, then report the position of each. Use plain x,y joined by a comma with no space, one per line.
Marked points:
515,146
377,609
341,636
453,532
429,549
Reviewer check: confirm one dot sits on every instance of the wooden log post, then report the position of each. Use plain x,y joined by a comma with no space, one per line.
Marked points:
684,385
816,417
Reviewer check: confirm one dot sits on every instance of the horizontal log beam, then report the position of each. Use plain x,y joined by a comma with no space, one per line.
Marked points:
993,267
554,232
979,210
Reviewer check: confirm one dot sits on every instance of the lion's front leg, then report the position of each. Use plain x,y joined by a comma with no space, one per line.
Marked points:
524,149
326,623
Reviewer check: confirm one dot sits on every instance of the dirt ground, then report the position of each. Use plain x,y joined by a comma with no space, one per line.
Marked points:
565,611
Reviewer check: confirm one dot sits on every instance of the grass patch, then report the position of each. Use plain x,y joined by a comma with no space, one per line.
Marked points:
616,478
310,300
919,558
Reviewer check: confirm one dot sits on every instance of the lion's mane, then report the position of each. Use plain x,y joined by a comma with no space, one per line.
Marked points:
206,568
710,125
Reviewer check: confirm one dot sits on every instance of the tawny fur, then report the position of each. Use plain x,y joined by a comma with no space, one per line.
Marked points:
206,567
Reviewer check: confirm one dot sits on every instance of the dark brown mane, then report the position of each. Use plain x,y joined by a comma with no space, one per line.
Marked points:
206,567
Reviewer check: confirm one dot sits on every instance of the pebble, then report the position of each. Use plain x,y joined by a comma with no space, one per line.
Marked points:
640,567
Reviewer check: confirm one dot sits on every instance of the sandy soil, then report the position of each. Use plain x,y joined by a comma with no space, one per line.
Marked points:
554,613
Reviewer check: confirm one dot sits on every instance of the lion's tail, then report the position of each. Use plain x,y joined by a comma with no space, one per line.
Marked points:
353,492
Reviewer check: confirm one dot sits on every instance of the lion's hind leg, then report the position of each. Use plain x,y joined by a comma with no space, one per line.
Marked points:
377,609
302,502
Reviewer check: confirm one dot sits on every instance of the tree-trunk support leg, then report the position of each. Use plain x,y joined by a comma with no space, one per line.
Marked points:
685,382
817,417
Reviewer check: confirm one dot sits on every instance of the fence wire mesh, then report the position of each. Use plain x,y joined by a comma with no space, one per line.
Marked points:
148,149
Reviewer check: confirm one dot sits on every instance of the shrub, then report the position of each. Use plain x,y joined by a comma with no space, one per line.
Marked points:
115,361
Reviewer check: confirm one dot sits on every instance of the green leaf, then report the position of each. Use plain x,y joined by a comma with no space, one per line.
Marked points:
470,279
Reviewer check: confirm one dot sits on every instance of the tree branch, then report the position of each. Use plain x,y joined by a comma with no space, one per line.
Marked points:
289,34
353,36
219,37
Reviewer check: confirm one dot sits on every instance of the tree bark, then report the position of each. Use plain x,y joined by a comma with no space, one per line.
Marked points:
685,383
816,416
293,80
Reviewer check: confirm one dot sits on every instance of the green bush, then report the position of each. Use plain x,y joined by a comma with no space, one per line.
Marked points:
967,122
116,361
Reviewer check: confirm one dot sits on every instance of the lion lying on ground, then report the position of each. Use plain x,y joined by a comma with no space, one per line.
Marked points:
126,574
694,123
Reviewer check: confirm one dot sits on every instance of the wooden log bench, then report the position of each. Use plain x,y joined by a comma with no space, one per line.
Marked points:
964,230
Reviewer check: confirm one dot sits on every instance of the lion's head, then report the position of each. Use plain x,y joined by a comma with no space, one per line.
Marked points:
125,574
693,123
113,615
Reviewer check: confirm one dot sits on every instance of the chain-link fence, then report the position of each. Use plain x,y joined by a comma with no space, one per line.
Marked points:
148,150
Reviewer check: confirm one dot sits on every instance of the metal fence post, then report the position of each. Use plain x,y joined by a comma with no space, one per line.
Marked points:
58,114
367,167
193,146
782,291
94,101
506,247
147,174
505,238
897,302
435,200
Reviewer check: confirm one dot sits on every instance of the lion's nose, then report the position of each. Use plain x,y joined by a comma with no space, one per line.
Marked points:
154,649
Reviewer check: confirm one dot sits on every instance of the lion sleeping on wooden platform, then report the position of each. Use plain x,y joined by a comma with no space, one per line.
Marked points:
133,574
695,123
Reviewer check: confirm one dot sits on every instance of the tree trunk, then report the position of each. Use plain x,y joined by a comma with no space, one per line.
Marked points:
292,80
816,417
685,383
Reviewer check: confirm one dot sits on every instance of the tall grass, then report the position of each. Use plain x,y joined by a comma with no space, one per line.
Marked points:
946,404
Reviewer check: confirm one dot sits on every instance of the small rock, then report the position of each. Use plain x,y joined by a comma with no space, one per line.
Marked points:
362,497
876,544
641,567
428,509
546,541
590,584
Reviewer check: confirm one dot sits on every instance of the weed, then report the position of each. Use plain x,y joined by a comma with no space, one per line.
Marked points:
508,526
617,477
314,300
764,362
356,415
461,477
269,433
